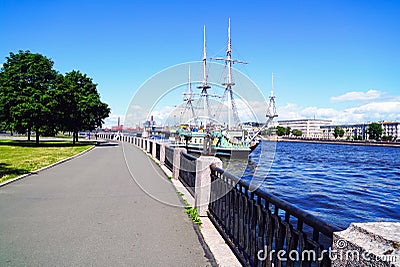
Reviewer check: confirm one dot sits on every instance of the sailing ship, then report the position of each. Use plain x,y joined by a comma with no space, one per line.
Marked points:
210,137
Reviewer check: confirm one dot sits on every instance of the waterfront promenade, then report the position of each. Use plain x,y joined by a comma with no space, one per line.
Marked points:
90,212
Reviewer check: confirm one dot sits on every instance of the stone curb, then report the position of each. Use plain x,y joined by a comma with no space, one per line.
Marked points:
46,167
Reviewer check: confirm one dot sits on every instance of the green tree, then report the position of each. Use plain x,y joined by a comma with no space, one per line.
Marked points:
375,131
338,132
280,130
387,138
80,107
25,91
287,131
296,132
341,133
3,104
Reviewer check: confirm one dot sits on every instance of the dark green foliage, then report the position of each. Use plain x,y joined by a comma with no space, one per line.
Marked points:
280,130
296,132
283,131
387,138
375,131
338,132
34,97
80,106
26,92
287,131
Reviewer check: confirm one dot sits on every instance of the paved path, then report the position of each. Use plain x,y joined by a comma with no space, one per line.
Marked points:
90,212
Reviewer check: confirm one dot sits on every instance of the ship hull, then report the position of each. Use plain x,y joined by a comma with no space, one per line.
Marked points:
240,153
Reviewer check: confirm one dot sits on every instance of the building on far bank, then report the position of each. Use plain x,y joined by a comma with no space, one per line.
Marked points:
355,130
311,128
391,128
350,130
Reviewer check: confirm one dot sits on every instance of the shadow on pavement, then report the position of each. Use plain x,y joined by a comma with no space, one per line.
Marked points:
106,143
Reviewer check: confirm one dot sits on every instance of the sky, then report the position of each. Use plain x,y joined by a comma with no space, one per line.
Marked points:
332,59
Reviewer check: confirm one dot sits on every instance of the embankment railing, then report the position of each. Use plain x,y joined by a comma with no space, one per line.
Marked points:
187,172
259,225
169,157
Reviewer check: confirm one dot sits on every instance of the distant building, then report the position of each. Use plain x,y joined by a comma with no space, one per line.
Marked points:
310,128
391,128
353,131
350,131
119,127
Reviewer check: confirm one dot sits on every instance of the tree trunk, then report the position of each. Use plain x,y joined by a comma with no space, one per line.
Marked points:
73,137
37,136
29,134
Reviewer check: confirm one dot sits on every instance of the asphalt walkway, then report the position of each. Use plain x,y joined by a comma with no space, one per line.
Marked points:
90,211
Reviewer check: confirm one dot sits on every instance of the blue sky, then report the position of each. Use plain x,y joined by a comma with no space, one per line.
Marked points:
336,60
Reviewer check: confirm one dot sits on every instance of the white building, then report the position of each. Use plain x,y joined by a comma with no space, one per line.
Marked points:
311,128
350,131
355,130
391,128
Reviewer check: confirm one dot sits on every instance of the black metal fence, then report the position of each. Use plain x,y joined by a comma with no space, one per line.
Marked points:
187,172
158,149
150,144
258,226
169,157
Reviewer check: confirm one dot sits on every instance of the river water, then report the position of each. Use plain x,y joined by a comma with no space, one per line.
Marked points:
338,183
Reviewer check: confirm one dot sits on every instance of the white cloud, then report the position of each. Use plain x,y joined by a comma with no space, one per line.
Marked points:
289,111
374,111
322,113
350,96
136,107
164,114
381,107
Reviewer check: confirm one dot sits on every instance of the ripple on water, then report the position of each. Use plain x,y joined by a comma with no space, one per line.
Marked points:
339,183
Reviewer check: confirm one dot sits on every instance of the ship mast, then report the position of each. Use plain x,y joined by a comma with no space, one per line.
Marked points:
188,98
204,86
271,112
229,83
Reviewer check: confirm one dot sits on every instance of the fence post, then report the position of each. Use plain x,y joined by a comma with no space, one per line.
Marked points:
162,154
203,182
177,162
367,244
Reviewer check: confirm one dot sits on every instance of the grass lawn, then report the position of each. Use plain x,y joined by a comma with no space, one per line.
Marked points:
20,157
